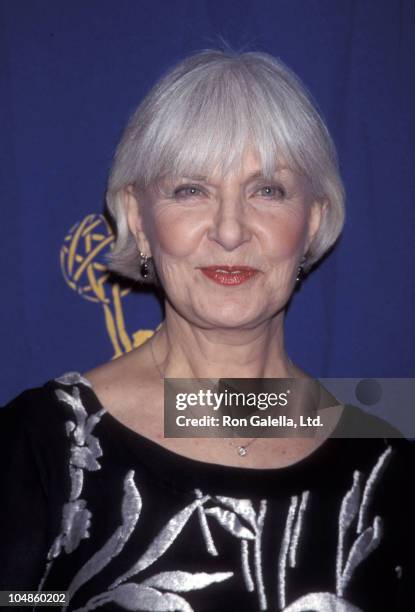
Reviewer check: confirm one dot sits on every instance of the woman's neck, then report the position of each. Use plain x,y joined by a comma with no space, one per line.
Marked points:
182,350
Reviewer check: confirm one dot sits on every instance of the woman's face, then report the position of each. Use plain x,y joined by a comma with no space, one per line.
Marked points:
237,220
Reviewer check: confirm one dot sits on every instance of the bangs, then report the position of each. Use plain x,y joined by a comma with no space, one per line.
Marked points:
208,127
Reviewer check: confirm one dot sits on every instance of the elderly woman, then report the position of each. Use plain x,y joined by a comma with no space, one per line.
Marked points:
225,190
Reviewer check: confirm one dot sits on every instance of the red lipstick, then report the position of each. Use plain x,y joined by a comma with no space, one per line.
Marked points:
229,275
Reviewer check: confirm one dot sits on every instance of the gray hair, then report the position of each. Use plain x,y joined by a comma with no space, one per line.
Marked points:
202,116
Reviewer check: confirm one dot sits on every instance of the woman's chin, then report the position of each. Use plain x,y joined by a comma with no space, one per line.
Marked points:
231,320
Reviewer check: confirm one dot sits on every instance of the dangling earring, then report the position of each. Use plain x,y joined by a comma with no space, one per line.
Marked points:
300,271
144,267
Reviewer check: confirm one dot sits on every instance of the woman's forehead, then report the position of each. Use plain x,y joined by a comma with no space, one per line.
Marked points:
249,167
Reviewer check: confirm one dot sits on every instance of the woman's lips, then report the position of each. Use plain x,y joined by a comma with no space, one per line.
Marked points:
229,275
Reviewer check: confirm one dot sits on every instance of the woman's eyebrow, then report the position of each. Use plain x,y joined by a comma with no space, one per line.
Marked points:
260,174
188,177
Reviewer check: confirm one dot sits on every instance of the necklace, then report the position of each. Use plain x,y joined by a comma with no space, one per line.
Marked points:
241,449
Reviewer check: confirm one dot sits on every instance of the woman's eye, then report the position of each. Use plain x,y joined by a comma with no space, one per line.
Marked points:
187,191
274,192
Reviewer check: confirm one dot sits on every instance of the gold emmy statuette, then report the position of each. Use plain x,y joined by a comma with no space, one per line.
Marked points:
84,270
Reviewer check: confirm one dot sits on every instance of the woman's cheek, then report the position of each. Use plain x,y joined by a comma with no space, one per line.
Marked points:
287,238
176,236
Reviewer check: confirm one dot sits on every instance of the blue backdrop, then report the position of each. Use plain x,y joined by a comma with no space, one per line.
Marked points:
73,72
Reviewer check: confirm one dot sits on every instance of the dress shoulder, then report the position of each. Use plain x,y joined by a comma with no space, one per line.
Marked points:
37,407
37,459
32,482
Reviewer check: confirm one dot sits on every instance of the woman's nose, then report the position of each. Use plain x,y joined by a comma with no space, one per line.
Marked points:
229,223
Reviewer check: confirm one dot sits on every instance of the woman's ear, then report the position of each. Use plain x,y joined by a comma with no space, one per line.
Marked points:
317,211
135,219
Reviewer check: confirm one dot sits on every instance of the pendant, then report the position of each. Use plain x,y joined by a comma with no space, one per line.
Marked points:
242,451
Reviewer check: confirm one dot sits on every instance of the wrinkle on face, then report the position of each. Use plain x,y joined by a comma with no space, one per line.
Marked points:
228,223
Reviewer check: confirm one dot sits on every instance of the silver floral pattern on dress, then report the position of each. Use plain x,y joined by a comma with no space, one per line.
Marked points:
130,512
164,590
158,592
353,510
239,518
289,541
85,451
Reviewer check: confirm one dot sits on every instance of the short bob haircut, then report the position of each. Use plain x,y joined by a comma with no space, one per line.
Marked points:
202,116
